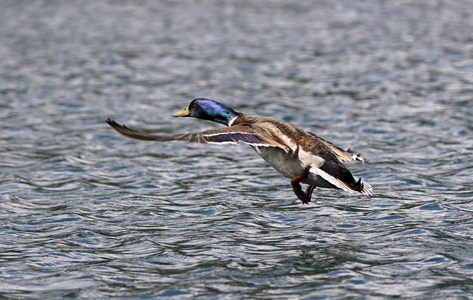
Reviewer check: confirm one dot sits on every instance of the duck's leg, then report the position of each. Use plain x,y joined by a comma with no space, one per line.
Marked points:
309,190
296,186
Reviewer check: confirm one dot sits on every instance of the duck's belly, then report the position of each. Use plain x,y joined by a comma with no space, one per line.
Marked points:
285,163
289,165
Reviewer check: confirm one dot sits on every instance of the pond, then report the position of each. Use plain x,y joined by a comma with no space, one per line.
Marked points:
87,213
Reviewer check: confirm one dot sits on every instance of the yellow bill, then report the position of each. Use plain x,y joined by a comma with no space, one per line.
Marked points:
182,113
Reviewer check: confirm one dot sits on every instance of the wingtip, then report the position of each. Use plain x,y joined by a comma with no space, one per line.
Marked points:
357,157
114,124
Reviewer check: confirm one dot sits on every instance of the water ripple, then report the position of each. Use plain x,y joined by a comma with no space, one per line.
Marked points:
85,213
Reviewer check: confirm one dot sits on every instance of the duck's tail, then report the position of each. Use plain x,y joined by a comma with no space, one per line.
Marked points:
363,187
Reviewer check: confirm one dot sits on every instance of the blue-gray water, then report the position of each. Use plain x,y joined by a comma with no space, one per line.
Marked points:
86,213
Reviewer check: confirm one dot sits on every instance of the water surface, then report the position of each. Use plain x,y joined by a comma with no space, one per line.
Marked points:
86,213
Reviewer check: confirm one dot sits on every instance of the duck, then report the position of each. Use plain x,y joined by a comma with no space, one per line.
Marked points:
299,155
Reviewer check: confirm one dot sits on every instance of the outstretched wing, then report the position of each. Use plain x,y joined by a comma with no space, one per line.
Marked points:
228,135
342,155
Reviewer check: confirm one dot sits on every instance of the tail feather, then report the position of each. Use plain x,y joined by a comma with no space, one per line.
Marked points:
362,187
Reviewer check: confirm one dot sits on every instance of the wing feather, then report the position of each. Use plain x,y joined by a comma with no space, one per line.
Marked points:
228,135
342,155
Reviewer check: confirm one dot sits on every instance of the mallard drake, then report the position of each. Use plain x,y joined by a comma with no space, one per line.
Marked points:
299,155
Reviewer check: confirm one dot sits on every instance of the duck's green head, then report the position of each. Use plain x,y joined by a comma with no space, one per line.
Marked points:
208,110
